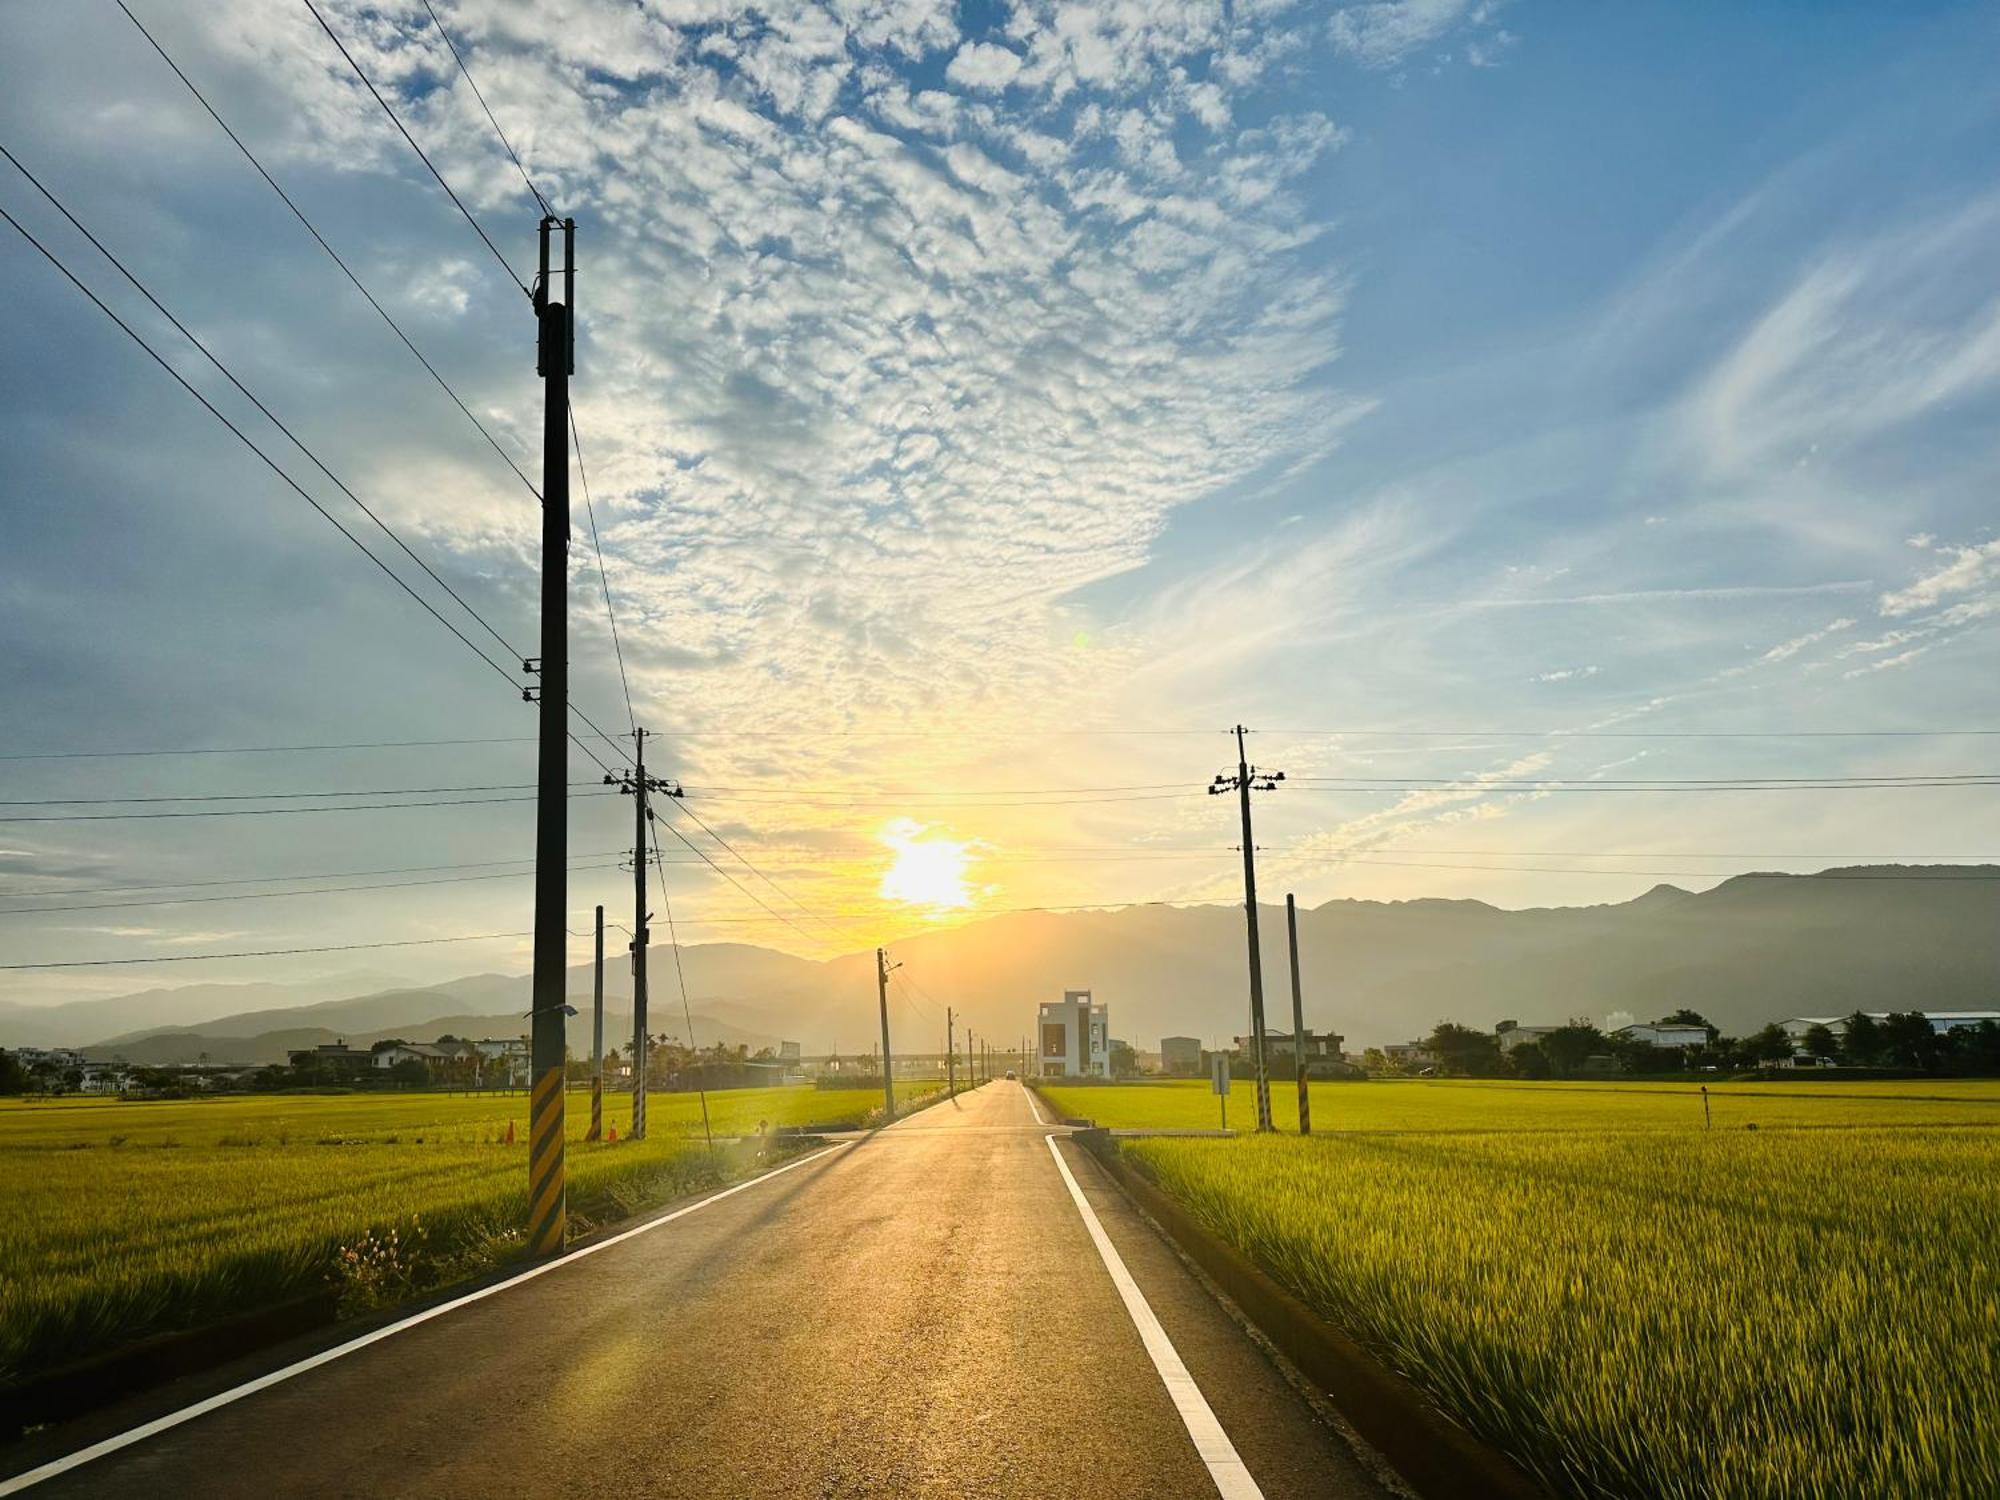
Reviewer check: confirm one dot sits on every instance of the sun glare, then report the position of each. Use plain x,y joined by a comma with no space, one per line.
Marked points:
927,870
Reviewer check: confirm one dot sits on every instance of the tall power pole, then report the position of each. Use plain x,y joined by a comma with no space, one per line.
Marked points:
882,968
597,1036
1298,1019
637,785
950,1054
1246,780
555,358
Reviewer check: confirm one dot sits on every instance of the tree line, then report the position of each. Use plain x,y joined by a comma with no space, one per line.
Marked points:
1900,1040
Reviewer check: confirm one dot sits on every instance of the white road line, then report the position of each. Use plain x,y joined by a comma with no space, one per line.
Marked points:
1231,1478
1032,1106
158,1425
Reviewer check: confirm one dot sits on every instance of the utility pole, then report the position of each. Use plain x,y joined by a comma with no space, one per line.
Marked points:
1246,780
1298,1019
971,1072
950,1055
555,357
597,1036
637,785
882,968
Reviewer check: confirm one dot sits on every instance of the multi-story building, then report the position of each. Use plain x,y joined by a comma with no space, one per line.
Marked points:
1180,1056
1073,1037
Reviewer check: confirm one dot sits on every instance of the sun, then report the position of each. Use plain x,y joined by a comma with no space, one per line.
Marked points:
927,870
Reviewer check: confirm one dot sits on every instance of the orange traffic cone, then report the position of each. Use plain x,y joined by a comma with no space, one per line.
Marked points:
510,1132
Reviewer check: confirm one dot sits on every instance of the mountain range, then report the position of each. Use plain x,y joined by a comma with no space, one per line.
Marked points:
1755,948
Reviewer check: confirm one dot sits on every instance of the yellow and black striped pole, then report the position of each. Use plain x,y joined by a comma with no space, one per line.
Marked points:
597,1037
547,1208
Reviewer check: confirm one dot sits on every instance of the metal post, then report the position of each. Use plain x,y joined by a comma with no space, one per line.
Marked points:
888,1067
597,1036
1298,1020
1256,956
641,936
548,1042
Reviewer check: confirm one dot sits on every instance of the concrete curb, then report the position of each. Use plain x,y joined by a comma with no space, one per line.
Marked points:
1434,1456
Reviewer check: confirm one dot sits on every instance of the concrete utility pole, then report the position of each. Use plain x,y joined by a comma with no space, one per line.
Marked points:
1246,780
950,1055
637,785
1298,1020
548,1049
596,1132
882,968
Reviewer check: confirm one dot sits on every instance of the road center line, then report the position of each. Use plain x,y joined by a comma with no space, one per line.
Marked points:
139,1434
1231,1478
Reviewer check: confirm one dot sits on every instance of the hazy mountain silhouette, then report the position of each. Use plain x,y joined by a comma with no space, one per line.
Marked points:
1754,949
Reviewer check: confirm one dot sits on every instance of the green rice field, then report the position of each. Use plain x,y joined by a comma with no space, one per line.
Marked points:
1803,1300
130,1219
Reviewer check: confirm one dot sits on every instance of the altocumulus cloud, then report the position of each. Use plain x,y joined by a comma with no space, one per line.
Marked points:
893,335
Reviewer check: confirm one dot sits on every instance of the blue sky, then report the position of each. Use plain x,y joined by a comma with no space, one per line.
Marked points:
955,380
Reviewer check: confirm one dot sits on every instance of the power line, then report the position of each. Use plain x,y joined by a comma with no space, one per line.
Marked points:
321,890
266,812
1744,785
387,791
251,444
1643,734
869,800
299,214
590,510
702,854
505,739
254,400
186,958
397,121
271,463
755,871
1919,778
1647,874
179,885
673,936
534,191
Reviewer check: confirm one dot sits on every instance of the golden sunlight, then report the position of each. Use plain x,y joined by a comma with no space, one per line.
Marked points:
927,870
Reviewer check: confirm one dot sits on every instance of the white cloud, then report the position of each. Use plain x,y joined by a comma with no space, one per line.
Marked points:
1964,569
984,66
1384,33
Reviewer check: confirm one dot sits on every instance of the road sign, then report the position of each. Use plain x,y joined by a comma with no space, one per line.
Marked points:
1218,1068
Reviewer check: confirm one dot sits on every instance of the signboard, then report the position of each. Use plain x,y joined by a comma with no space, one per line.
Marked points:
1218,1066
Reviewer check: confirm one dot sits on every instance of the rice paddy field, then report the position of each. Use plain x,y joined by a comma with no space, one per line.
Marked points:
130,1219
1803,1300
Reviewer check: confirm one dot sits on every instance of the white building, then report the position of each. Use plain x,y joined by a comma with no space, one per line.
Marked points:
1665,1034
1512,1034
1074,1037
1941,1021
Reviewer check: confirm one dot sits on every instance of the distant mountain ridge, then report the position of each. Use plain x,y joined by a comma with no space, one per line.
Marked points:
1754,949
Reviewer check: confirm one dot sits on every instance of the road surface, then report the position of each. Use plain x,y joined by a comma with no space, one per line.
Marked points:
922,1312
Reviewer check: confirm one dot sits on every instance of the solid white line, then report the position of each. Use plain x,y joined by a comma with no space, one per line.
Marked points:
1032,1106
1232,1479
158,1425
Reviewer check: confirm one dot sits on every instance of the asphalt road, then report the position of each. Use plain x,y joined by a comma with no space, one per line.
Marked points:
923,1312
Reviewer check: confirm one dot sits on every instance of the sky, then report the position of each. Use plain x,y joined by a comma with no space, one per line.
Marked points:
983,408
